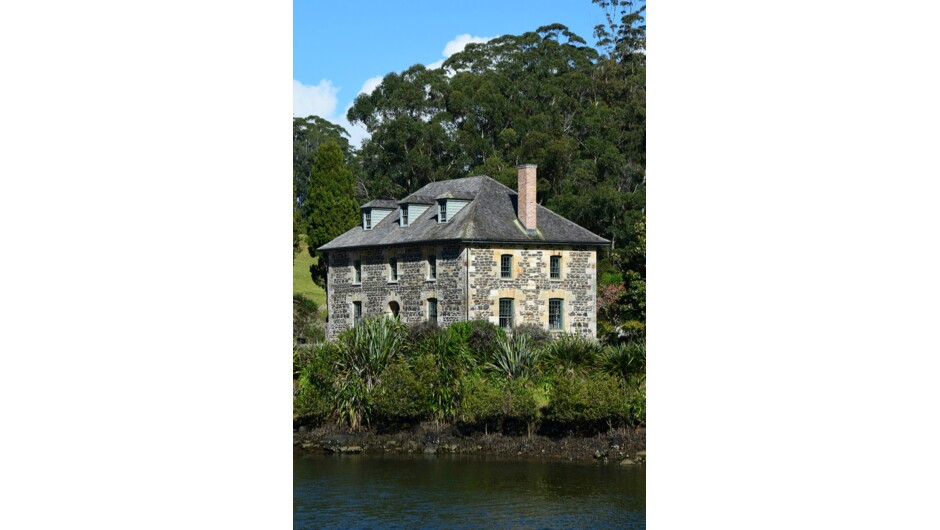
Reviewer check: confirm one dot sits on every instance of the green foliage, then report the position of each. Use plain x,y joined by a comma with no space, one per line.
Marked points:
624,360
638,406
307,323
514,357
330,207
488,399
364,353
418,332
314,366
480,336
406,391
450,356
572,353
538,336
589,401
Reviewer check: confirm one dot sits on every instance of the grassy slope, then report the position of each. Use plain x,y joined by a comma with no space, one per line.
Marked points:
303,283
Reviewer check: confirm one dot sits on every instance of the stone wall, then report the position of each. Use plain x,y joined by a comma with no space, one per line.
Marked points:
411,292
531,286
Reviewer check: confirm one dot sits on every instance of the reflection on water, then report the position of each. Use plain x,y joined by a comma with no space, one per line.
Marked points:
363,491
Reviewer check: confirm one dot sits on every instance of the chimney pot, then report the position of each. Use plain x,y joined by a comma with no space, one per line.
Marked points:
526,202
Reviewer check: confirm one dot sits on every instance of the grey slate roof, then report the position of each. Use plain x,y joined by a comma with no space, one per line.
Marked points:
381,203
491,217
414,198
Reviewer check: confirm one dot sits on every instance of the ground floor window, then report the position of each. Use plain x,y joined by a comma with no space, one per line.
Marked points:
432,310
357,312
505,313
555,306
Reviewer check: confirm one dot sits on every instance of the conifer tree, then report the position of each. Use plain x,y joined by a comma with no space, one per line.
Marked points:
331,208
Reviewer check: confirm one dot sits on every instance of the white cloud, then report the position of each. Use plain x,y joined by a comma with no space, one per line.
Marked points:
321,101
317,99
456,45
370,84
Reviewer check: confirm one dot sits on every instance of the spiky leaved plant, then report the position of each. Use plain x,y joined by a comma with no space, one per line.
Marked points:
514,357
365,352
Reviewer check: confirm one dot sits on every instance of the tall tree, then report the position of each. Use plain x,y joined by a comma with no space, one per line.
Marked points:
330,208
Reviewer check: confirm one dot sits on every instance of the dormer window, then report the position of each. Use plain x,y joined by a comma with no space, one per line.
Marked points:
367,219
404,215
442,211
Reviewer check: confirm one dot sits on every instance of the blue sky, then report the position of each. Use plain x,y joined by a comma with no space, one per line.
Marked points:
344,48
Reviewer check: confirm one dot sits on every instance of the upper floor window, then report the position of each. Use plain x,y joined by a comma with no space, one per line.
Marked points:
505,313
432,310
367,219
404,215
357,271
505,266
432,267
555,312
442,207
555,267
393,270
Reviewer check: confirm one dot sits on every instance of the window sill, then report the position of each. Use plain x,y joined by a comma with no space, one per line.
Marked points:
554,279
430,280
357,283
392,281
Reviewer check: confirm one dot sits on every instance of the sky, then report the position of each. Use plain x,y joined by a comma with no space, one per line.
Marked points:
342,49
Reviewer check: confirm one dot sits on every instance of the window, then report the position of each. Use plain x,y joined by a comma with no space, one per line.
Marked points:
404,215
393,270
555,267
505,313
367,219
432,267
357,312
432,310
357,271
505,266
442,205
555,306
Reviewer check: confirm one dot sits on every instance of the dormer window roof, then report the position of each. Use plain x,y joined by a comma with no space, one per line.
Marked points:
374,211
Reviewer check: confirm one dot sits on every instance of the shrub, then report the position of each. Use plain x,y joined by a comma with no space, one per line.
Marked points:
638,407
307,324
421,331
514,357
450,355
538,336
314,399
624,360
480,337
405,392
364,353
488,400
588,402
573,353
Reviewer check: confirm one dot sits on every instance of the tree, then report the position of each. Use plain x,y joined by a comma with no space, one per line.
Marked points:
330,208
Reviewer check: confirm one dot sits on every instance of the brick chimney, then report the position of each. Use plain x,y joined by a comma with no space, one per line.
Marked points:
526,205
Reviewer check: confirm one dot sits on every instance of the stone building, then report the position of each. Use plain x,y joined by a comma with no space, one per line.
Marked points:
465,249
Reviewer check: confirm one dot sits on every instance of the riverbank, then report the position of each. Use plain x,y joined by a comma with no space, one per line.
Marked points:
620,446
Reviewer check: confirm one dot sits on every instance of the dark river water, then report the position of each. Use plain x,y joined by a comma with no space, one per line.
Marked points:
359,491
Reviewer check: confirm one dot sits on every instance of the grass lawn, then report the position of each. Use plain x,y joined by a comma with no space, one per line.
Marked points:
303,283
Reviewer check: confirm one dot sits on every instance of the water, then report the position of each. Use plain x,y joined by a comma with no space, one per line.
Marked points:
362,491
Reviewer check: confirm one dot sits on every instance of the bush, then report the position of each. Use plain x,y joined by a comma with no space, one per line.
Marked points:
573,354
638,407
538,336
488,400
422,331
480,336
307,324
314,399
364,353
588,402
405,392
514,357
624,360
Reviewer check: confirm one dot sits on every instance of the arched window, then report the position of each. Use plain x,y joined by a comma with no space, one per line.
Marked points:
393,308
